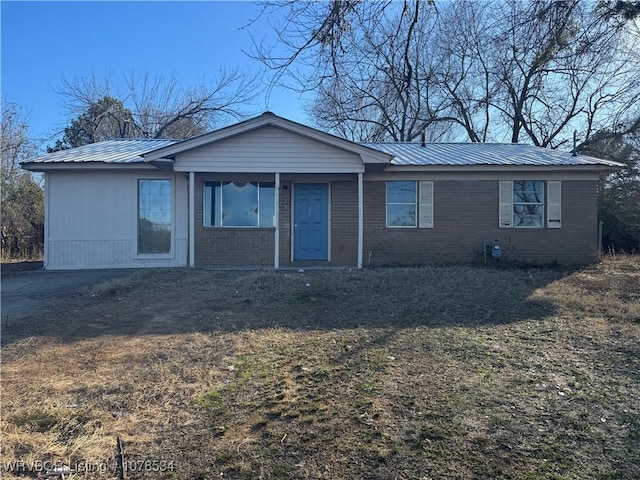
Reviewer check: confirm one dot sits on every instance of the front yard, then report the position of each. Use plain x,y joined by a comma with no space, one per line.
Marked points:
431,373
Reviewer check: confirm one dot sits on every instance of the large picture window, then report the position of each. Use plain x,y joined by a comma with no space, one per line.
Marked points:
239,204
155,207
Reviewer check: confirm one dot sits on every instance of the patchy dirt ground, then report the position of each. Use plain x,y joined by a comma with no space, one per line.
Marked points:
448,372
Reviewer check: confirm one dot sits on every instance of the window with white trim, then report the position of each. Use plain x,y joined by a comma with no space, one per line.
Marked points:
155,211
239,204
409,204
523,202
528,203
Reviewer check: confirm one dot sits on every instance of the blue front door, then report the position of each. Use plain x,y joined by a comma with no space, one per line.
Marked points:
311,221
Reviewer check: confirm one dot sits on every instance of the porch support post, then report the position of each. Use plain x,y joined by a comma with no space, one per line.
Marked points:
192,219
360,220
276,220
47,184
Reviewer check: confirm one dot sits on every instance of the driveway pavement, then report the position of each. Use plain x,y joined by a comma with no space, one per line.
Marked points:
23,291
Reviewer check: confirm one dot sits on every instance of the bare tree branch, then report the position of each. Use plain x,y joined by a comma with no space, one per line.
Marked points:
510,70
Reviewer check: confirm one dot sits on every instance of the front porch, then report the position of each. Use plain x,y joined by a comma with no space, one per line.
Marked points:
275,220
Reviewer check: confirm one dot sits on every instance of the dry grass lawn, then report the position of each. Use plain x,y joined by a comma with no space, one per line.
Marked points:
431,373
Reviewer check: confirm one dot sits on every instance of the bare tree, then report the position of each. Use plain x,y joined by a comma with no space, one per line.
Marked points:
482,70
561,68
22,232
150,107
16,144
164,109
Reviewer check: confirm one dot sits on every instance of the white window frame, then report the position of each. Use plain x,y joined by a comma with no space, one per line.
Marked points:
219,203
414,203
542,204
151,256
423,204
551,205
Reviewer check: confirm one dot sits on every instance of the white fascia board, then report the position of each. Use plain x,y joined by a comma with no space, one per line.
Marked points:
68,166
600,169
377,158
164,164
266,169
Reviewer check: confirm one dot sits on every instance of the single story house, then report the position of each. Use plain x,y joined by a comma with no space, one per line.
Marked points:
269,192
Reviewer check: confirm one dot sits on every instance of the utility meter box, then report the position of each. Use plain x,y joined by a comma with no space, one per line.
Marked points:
492,249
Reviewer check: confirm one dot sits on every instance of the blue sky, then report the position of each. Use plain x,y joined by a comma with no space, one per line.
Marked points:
44,41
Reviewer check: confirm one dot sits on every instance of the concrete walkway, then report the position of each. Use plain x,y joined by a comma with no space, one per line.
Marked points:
23,291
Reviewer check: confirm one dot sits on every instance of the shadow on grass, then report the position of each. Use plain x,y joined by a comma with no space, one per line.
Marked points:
175,301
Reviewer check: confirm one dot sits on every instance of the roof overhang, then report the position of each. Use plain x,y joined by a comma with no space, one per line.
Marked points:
600,169
70,166
368,155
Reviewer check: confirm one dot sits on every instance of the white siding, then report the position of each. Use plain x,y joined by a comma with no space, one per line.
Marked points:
92,220
269,149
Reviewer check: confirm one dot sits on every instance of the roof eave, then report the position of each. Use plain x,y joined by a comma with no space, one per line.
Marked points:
47,167
602,169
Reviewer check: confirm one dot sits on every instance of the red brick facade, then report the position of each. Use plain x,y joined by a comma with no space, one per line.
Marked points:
465,215
229,247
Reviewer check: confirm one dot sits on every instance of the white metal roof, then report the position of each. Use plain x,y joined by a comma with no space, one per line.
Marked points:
130,151
123,150
468,154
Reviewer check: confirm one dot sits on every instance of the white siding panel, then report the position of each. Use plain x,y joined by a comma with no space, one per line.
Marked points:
269,149
89,253
96,205
93,220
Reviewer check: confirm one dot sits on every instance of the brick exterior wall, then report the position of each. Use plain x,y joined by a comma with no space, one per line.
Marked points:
217,247
344,223
285,224
466,214
224,247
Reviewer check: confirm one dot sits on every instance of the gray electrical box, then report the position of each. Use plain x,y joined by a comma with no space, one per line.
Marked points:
492,249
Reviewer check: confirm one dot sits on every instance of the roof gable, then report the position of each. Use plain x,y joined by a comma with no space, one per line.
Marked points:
268,149
367,154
